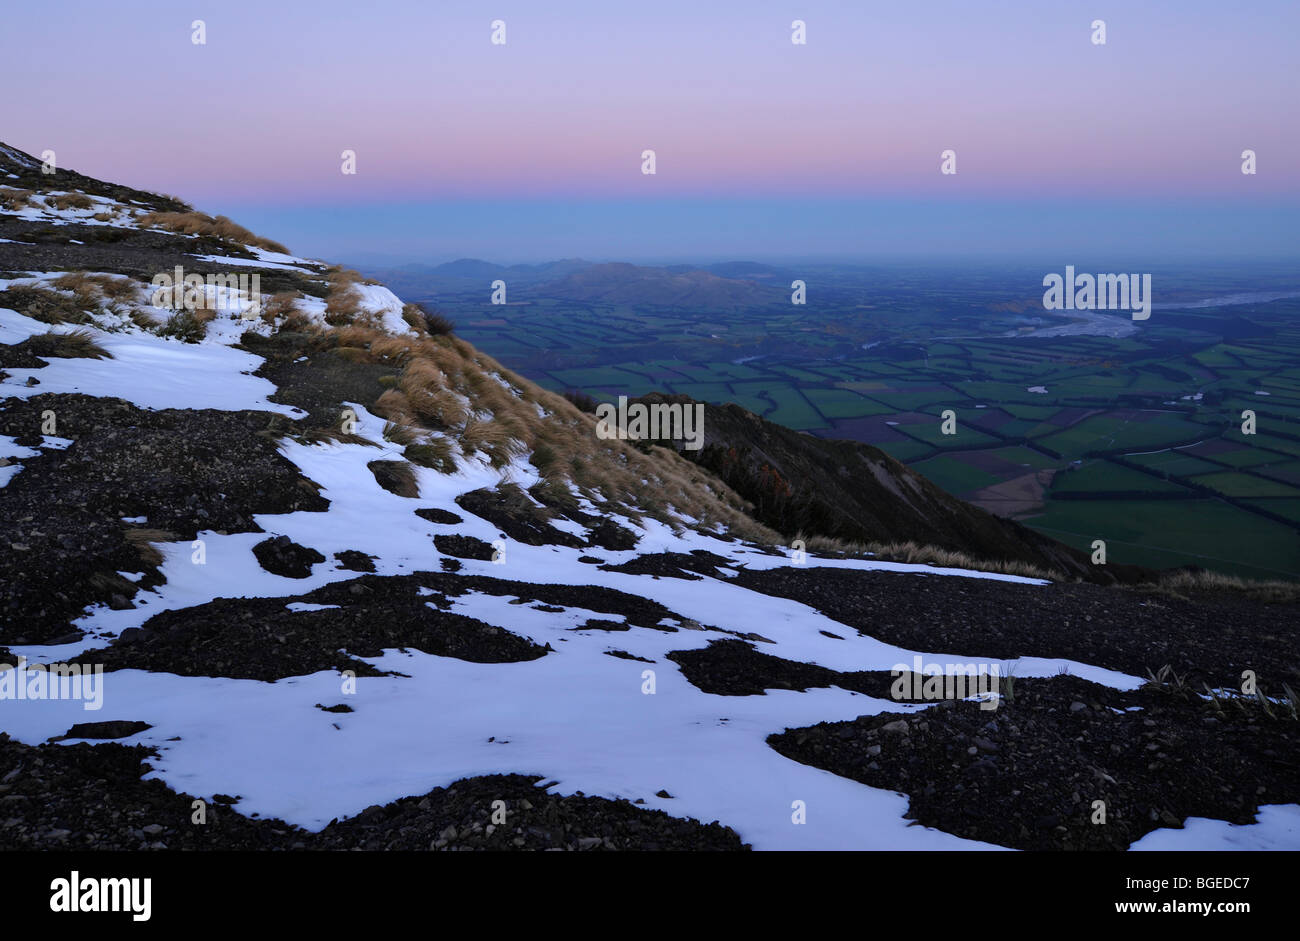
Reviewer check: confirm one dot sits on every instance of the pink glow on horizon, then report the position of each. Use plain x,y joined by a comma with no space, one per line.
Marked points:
730,107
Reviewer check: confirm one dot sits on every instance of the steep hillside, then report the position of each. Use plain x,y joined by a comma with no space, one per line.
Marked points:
800,484
296,550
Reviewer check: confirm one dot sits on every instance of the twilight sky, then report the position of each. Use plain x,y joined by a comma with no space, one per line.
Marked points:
532,150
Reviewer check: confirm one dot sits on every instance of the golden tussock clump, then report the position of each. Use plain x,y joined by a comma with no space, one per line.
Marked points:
282,307
64,201
141,540
342,303
447,385
198,223
12,200
90,288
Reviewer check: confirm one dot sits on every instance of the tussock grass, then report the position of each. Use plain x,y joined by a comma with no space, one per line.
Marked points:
45,305
512,417
75,344
396,477
400,434
282,307
1227,703
143,320
141,539
395,351
187,326
918,554
437,453
334,436
342,303
1178,584
428,322
64,201
198,223
12,199
297,321
91,288
450,398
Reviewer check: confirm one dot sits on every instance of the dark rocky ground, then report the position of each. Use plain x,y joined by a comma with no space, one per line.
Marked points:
1210,638
94,797
1026,775
139,253
183,470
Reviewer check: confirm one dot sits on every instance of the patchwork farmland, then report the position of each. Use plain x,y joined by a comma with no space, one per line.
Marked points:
1135,438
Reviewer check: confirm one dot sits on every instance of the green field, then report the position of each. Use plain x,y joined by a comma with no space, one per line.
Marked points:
1167,533
1158,411
1104,476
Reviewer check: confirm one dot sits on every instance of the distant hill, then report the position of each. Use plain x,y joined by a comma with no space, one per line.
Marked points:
723,286
622,283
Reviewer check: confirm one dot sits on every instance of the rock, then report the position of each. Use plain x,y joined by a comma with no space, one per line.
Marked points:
899,726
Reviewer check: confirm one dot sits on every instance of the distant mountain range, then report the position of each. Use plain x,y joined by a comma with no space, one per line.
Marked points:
721,286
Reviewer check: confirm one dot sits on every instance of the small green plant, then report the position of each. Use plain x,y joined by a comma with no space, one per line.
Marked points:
1290,703
1167,678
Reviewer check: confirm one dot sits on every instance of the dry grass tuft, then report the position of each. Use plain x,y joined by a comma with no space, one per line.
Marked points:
396,477
64,201
510,417
394,351
281,306
75,344
342,303
437,453
12,200
44,305
187,326
142,539
400,434
91,288
334,436
1177,584
918,554
198,223
428,322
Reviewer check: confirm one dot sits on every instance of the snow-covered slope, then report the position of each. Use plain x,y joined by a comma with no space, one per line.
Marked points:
478,614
